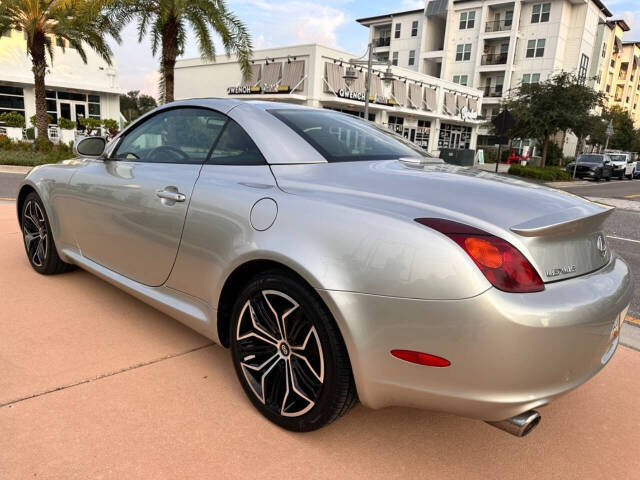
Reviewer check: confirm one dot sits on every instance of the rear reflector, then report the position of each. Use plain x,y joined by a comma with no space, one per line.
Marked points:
421,358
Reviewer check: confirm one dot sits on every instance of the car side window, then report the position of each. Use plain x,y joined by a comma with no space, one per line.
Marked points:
235,147
180,135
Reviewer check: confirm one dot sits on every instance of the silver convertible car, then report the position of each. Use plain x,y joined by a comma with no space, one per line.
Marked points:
337,261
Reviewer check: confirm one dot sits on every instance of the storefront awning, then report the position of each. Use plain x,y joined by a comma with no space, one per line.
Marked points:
450,103
400,92
473,104
333,75
430,100
254,78
415,95
293,74
271,74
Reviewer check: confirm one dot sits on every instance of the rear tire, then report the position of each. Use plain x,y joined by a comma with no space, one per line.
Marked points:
38,238
289,355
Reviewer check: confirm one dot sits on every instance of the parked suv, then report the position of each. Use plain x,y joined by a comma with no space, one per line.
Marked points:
592,165
623,165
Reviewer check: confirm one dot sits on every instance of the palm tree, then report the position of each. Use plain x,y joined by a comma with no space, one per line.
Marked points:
80,22
167,21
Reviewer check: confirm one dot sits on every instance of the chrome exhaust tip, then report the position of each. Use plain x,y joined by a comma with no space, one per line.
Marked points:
520,425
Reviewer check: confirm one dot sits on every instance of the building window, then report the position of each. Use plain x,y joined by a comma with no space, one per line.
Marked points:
394,59
467,20
582,71
94,106
531,78
11,99
540,13
412,57
422,134
604,49
535,48
508,18
463,52
395,123
398,27
414,29
461,79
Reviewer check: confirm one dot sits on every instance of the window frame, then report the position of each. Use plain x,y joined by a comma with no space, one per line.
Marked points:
414,28
143,120
394,58
412,58
583,68
542,10
397,30
537,51
461,49
467,20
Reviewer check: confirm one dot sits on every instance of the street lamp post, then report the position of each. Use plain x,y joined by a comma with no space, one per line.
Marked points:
350,75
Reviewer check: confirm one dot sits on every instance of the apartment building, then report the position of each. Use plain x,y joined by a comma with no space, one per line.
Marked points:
74,89
431,112
496,45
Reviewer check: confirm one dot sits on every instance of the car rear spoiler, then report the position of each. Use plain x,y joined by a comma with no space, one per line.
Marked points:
589,216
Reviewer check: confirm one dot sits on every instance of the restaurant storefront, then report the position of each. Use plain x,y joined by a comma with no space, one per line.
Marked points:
428,111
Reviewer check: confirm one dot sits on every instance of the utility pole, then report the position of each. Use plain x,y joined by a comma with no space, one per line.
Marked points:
608,133
350,75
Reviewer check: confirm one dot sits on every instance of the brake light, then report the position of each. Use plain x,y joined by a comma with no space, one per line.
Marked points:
499,261
421,358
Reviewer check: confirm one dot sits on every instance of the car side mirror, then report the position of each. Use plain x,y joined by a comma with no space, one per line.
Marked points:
90,147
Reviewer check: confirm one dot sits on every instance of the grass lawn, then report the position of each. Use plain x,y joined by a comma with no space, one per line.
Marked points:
32,159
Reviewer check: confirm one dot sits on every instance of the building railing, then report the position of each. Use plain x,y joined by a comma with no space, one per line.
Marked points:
382,42
494,59
493,91
498,26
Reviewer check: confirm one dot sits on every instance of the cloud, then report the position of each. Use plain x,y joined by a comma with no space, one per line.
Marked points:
298,21
412,4
633,20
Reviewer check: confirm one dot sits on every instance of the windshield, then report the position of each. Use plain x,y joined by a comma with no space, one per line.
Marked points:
618,158
590,158
343,138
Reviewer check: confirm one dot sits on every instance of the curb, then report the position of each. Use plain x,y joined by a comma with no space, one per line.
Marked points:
16,169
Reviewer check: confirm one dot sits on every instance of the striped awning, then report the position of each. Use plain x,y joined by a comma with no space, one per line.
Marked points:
400,92
358,84
415,95
450,103
461,101
254,78
333,76
293,74
271,74
473,104
376,86
430,100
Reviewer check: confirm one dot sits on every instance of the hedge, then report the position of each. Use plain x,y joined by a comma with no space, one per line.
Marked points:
546,174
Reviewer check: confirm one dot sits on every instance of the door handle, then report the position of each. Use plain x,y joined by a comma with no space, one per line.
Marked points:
170,195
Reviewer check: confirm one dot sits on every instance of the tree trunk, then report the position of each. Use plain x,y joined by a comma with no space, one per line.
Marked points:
169,54
39,67
545,148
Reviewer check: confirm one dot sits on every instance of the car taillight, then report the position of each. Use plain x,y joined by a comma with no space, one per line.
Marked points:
500,262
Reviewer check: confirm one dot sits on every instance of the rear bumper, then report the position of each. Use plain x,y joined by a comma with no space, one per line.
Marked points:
508,352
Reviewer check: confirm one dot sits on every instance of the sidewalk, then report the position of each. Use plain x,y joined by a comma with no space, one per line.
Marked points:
14,169
95,384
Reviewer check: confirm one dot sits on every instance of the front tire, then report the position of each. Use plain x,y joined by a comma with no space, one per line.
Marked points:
38,239
288,354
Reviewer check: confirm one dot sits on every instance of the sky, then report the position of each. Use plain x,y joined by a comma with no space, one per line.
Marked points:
289,22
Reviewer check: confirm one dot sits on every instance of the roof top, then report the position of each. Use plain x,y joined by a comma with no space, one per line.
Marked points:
621,23
598,3
396,14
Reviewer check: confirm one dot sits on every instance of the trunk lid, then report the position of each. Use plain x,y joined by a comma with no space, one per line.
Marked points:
560,233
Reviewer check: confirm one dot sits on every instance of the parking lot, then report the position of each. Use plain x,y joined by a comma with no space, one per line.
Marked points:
96,384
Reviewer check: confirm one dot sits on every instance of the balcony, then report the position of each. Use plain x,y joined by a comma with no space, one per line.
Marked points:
498,26
382,42
493,92
494,59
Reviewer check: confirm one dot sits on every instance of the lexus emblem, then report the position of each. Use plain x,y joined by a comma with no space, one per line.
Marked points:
601,245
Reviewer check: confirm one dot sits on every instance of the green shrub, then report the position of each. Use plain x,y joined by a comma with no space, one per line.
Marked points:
91,124
111,126
42,144
32,119
30,158
5,143
12,119
547,174
31,133
66,124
